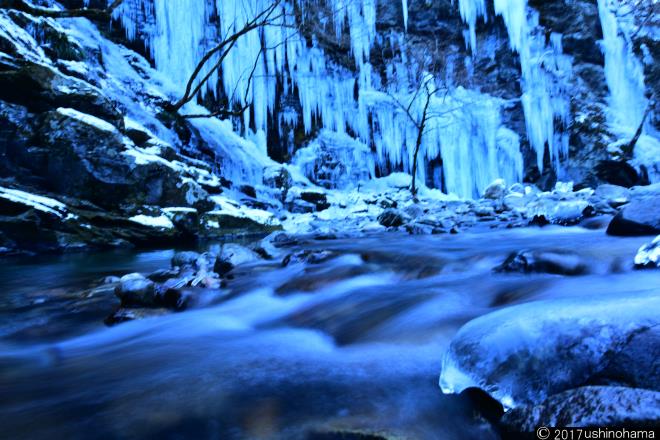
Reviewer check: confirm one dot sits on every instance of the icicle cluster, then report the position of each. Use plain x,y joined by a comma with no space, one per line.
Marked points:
545,99
464,133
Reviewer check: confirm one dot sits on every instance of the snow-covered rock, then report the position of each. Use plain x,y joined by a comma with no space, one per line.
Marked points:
523,354
648,256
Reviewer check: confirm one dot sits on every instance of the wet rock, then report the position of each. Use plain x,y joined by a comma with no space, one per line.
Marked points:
308,257
185,259
640,217
555,262
648,255
271,246
232,255
392,218
525,353
189,297
136,290
132,314
163,275
587,407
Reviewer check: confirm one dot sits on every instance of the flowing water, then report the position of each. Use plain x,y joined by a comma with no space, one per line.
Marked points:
353,343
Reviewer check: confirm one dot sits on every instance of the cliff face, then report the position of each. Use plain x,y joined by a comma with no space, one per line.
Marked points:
538,96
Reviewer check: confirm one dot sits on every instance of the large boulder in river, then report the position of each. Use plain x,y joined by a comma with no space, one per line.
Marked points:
523,354
587,407
639,217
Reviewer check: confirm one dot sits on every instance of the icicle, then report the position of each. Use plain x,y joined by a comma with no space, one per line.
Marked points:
404,6
623,71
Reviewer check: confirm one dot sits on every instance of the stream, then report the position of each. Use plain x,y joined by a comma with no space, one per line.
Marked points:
351,344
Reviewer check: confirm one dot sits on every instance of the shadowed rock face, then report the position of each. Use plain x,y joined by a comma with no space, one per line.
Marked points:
586,407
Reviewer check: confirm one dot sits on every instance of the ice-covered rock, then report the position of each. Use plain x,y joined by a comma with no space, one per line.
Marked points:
135,289
496,190
587,407
648,256
522,354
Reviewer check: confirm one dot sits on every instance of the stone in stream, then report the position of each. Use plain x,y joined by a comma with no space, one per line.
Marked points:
135,289
648,255
522,354
133,313
232,255
639,217
185,259
555,262
307,256
587,407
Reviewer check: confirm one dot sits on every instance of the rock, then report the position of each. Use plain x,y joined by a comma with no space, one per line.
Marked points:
270,247
185,220
136,290
185,259
392,218
614,195
525,353
589,407
232,255
639,217
132,314
318,199
515,200
308,257
111,280
221,223
413,211
568,212
648,256
495,191
189,297
555,262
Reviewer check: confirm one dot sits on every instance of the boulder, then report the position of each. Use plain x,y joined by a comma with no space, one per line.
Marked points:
307,256
392,218
136,290
639,217
525,353
495,191
554,262
588,407
185,259
134,313
648,255
232,255
613,195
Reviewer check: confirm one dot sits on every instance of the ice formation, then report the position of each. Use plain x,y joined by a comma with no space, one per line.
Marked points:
544,68
522,354
624,74
469,140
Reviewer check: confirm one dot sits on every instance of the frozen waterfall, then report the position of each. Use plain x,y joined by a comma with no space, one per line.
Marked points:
544,70
465,135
